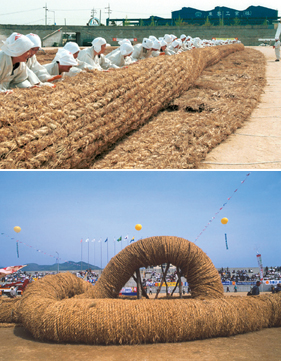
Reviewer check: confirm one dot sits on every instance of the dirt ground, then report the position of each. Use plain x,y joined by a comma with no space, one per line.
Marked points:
18,344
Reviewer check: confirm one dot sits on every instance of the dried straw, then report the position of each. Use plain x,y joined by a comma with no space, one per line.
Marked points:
67,127
58,308
215,106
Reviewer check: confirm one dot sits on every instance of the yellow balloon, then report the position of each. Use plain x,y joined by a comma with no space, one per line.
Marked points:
17,229
138,227
224,220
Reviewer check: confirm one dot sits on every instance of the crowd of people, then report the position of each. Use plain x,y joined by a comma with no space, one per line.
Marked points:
152,277
19,67
244,275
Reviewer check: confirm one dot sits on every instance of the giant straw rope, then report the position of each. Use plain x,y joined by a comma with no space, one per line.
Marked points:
67,127
64,308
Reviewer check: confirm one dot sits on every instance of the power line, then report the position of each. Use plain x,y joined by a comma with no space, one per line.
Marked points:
18,12
33,21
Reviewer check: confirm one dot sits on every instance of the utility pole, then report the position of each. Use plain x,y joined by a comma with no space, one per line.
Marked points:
109,12
46,10
93,13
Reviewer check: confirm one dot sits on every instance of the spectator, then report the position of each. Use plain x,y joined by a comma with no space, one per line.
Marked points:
256,290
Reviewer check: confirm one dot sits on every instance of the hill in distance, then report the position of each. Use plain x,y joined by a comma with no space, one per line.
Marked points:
66,266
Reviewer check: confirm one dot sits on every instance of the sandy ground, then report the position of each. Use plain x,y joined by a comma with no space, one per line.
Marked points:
18,344
257,144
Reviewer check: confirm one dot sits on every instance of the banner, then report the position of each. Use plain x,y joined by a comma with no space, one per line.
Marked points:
221,208
9,270
260,266
169,284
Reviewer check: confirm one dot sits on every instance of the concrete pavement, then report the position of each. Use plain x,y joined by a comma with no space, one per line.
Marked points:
257,145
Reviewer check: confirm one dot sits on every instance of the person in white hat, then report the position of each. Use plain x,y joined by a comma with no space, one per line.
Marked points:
120,42
168,38
13,55
95,55
276,46
164,49
176,46
62,64
74,49
122,57
184,46
38,73
143,50
156,47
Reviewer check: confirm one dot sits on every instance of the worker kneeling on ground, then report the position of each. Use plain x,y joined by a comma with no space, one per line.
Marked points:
62,64
13,56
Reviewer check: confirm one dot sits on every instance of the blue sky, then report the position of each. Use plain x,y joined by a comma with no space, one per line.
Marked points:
56,209
74,13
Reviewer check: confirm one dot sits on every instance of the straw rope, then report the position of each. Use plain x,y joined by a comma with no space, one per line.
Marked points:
67,127
196,266
59,308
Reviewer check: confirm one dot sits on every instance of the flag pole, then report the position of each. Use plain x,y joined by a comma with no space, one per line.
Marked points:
107,250
101,254
81,252
88,252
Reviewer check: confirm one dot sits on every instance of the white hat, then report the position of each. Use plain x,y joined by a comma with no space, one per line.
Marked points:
152,37
35,39
173,37
126,49
147,43
16,45
176,42
168,39
156,45
72,47
163,43
64,57
123,41
97,44
183,36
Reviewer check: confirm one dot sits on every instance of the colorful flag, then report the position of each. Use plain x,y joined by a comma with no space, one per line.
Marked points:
260,266
119,239
9,270
132,240
106,240
126,237
226,241
81,240
18,249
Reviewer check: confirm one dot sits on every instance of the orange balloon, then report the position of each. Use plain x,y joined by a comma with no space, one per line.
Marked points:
224,220
17,229
138,227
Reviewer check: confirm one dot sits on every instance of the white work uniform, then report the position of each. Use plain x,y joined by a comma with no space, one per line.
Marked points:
277,49
53,69
99,62
10,78
38,69
140,52
155,53
118,59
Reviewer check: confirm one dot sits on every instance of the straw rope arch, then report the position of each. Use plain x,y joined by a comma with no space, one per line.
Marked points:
195,265
64,308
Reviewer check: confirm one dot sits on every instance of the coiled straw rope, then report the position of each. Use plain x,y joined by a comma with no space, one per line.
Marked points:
67,127
58,308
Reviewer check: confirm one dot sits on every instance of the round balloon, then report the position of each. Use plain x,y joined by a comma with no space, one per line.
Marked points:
224,220
138,227
17,229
